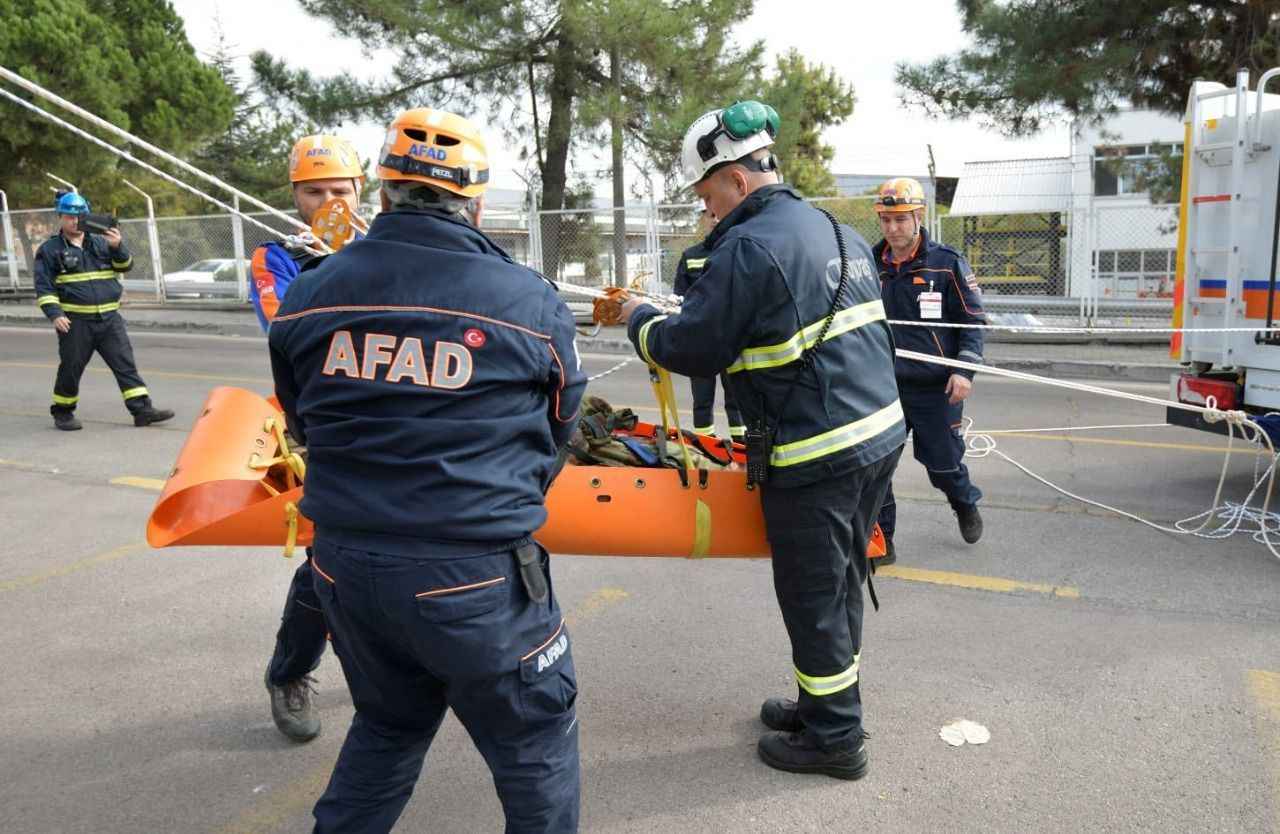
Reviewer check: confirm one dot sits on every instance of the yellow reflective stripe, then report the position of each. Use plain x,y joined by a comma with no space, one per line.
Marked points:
75,277
772,356
125,264
643,338
701,529
91,308
829,684
60,400
46,299
851,434
130,393
696,263
704,429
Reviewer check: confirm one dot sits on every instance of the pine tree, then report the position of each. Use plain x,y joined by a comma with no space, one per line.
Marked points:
541,70
1034,61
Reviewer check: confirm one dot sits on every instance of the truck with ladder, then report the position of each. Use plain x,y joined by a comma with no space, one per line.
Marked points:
1228,242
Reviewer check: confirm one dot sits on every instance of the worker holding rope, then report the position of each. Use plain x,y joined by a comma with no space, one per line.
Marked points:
77,283
321,168
788,303
924,281
433,381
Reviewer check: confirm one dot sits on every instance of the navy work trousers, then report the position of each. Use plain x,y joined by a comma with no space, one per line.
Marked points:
301,639
417,636
818,534
105,334
936,428
704,405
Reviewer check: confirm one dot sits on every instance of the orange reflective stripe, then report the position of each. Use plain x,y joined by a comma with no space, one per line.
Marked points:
455,589
265,280
547,642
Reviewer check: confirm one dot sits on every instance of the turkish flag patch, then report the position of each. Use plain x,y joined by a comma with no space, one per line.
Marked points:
474,338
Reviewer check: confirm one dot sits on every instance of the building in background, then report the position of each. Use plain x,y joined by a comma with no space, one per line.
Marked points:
1052,226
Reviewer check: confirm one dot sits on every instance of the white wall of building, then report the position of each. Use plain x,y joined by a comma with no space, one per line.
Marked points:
1123,222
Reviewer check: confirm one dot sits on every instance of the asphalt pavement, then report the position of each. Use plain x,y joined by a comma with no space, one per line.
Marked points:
1130,678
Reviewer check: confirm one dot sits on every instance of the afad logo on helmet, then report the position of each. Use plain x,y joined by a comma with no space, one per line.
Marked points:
421,149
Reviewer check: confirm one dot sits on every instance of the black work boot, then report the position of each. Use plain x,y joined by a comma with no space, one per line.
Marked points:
970,521
781,714
890,555
66,421
149,415
797,753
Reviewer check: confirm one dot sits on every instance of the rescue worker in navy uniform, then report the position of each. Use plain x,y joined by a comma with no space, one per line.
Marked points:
433,382
321,168
688,270
924,281
77,282
833,417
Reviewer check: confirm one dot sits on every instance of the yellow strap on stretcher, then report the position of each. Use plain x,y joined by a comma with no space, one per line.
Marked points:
664,392
295,474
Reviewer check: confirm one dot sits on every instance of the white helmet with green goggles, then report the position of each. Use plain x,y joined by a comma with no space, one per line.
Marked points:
722,136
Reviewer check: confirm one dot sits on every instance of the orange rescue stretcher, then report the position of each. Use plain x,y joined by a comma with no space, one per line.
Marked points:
237,482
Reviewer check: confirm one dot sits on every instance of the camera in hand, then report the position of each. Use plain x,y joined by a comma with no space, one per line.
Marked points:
97,223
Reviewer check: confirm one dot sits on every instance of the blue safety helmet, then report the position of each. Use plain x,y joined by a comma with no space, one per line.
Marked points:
72,203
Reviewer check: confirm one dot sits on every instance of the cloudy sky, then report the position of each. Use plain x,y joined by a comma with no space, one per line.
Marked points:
862,46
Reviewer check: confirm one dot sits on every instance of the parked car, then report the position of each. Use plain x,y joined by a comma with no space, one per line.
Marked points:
210,278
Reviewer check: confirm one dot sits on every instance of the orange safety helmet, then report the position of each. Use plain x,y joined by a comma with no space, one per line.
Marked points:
324,157
900,194
438,148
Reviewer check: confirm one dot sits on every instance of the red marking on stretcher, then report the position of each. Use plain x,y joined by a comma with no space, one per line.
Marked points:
1211,198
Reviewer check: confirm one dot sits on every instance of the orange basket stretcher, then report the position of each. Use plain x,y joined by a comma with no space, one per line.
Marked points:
237,482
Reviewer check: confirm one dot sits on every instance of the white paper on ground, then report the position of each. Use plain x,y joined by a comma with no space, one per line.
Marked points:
961,730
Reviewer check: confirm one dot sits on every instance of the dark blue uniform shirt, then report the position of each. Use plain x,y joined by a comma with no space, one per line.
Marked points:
433,381
939,269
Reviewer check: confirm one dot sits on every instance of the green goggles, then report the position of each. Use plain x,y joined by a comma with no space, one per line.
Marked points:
739,121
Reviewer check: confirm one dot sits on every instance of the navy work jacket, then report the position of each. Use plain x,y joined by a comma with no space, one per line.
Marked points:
79,281
933,268
433,381
766,288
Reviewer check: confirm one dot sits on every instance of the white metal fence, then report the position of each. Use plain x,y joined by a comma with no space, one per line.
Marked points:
1103,264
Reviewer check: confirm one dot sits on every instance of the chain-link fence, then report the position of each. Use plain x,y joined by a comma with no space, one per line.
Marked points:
24,231
600,247
1098,264
1133,255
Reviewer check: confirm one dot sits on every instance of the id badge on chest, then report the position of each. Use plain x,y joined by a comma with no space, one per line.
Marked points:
930,305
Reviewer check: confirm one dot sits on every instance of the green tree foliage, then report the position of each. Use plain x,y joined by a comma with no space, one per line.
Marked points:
1034,61
809,99
253,153
127,61
541,69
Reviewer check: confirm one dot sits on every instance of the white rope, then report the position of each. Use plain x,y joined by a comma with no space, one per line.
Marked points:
36,89
1233,515
616,367
1217,414
980,445
1081,331
144,165
1078,428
